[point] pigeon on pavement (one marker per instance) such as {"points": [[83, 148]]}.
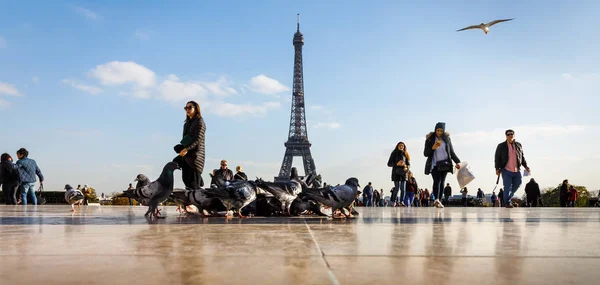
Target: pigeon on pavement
{"points": [[73, 196], [157, 191]]}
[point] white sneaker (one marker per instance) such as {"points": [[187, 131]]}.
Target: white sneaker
{"points": [[438, 204]]}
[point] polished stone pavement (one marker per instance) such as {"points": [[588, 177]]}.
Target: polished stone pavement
{"points": [[117, 245]]}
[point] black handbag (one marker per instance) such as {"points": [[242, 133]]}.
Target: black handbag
{"points": [[444, 165], [40, 199], [399, 170]]}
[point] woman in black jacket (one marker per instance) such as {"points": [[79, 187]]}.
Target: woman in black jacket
{"points": [[9, 179], [191, 148], [440, 155], [399, 161]]}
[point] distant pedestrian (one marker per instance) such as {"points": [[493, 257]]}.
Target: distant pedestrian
{"points": [[532, 191], [572, 196], [399, 161], [563, 193]]}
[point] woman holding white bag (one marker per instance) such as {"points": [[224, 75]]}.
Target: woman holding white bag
{"points": [[440, 155]]}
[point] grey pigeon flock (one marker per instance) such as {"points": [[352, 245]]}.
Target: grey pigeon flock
{"points": [[262, 198], [293, 197]]}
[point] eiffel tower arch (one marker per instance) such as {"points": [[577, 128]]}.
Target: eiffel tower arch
{"points": [[297, 143]]}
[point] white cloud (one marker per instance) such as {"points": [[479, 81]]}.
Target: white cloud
{"points": [[219, 87], [9, 89], [142, 35], [265, 85], [119, 73], [233, 110], [567, 76], [85, 12], [176, 91], [315, 107], [330, 125], [35, 80], [86, 88], [3, 43]]}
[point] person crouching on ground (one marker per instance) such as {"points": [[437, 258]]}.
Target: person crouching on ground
{"points": [[440, 155]]}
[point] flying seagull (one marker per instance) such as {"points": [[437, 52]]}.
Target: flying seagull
{"points": [[485, 27]]}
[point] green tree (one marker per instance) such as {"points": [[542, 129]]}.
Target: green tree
{"points": [[550, 196], [93, 198]]}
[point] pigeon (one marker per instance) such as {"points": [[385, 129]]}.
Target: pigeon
{"points": [[336, 197], [142, 181], [153, 193], [285, 191], [73, 196], [236, 195], [198, 198], [485, 27]]}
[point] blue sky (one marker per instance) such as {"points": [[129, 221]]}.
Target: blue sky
{"points": [[95, 90]]}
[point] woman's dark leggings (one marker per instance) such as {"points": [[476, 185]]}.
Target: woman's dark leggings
{"points": [[10, 193], [439, 179]]}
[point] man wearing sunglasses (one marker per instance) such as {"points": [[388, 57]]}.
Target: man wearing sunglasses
{"points": [[508, 160]]}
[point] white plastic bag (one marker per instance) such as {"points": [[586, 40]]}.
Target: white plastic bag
{"points": [[464, 175]]}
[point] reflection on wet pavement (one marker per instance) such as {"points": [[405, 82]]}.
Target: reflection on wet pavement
{"points": [[118, 245]]}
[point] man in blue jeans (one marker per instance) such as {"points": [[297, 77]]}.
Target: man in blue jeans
{"points": [[28, 169], [508, 160]]}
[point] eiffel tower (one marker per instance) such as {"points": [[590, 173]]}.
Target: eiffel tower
{"points": [[297, 143]]}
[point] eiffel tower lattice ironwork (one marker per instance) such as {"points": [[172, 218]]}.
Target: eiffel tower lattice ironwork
{"points": [[297, 143]]}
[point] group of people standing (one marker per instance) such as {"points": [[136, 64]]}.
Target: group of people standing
{"points": [[442, 160], [18, 179]]}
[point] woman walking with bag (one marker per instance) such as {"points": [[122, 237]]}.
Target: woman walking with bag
{"points": [[440, 155], [399, 161]]}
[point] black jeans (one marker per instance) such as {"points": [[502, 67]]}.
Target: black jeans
{"points": [[10, 192], [191, 178], [439, 179], [533, 202]]}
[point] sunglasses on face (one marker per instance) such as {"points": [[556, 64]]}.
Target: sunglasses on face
{"points": [[510, 134], [188, 107]]}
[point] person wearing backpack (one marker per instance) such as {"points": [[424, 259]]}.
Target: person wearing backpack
{"points": [[9, 179]]}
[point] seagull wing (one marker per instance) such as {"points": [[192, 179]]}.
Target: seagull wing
{"points": [[470, 27], [497, 21]]}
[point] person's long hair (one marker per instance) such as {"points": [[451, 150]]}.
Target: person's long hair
{"points": [[5, 157], [197, 113], [405, 150]]}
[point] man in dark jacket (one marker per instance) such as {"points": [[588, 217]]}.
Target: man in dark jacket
{"points": [[447, 193], [532, 190], [28, 169], [508, 160], [222, 174]]}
